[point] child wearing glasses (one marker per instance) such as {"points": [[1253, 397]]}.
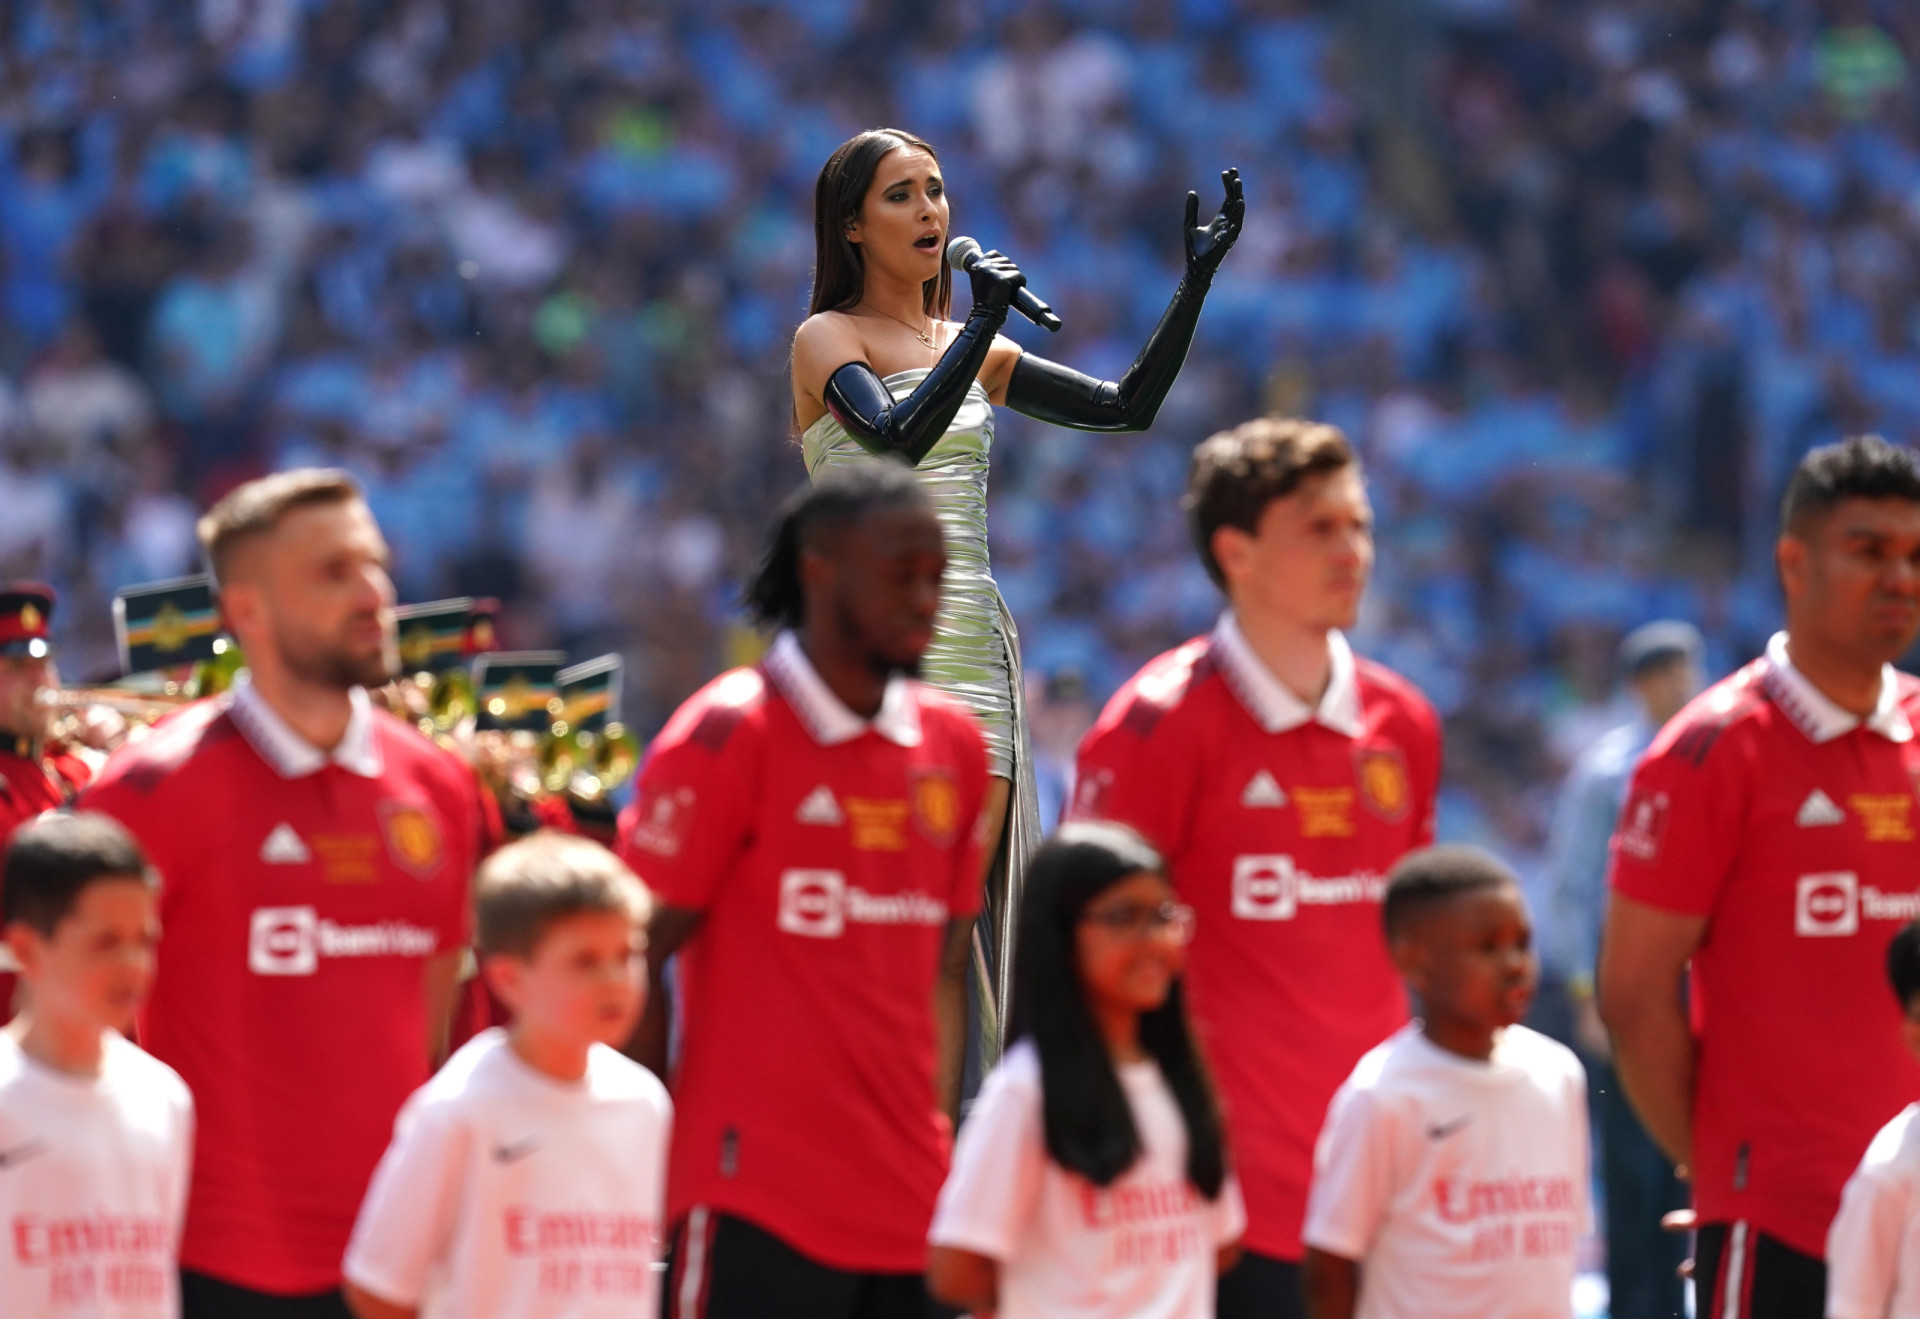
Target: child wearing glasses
{"points": [[1090, 1180]]}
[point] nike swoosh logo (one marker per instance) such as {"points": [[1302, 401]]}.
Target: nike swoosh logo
{"points": [[514, 1152], [1446, 1129], [21, 1153]]}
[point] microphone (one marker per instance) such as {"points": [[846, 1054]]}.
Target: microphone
{"points": [[962, 252]]}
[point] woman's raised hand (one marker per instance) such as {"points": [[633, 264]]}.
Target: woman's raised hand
{"points": [[995, 280], [1207, 245]]}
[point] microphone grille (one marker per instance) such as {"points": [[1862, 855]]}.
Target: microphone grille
{"points": [[960, 250]]}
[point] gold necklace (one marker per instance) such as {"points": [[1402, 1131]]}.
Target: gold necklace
{"points": [[921, 335]]}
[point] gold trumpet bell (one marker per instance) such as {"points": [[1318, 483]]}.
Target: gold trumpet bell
{"points": [[616, 758], [451, 700], [560, 756]]}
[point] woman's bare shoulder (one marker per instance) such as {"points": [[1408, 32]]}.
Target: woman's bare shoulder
{"points": [[826, 341], [827, 327]]}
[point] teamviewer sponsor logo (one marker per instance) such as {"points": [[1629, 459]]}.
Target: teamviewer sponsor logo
{"points": [[1876, 905], [290, 941], [1272, 888], [820, 904], [282, 942], [1827, 906], [1833, 905], [813, 903], [1264, 888]]}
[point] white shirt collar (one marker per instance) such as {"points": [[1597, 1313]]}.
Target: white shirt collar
{"points": [[1816, 715], [291, 755], [1272, 704], [826, 715]]}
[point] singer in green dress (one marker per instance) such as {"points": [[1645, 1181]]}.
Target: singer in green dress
{"points": [[881, 374]]}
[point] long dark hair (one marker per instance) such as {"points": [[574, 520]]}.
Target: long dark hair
{"points": [[1089, 1125], [839, 267], [840, 497]]}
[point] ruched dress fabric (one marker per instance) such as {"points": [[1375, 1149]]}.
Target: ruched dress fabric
{"points": [[975, 655]]}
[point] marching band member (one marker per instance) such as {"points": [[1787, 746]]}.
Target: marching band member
{"points": [[33, 776]]}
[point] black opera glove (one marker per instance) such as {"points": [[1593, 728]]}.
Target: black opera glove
{"points": [[1207, 247], [1062, 396], [859, 399]]}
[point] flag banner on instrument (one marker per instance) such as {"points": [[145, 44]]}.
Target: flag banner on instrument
{"points": [[516, 689], [162, 625], [434, 635], [590, 693]]}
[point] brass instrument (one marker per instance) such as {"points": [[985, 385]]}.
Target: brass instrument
{"points": [[583, 765], [144, 707], [102, 719], [586, 764]]}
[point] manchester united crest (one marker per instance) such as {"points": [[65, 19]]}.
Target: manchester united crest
{"points": [[413, 838], [936, 806], [1384, 787]]}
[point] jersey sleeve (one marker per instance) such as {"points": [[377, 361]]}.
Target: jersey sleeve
{"points": [[999, 1160], [407, 1217], [1352, 1175], [1135, 769], [136, 811], [1863, 1245], [1679, 832], [109, 797], [691, 813]]}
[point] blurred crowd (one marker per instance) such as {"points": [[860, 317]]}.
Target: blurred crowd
{"points": [[1582, 278]]}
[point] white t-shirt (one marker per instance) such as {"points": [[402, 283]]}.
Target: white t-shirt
{"points": [[1142, 1247], [507, 1193], [1460, 1186], [93, 1186], [1873, 1247]]}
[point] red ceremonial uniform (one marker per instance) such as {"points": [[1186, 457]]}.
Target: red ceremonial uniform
{"points": [[1790, 825], [29, 785], [302, 895], [1279, 823], [826, 855]]}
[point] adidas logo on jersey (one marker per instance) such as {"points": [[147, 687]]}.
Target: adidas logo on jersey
{"points": [[284, 848], [820, 808], [1817, 810], [1262, 790]]}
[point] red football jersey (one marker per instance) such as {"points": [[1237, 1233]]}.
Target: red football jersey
{"points": [[1789, 825], [826, 855], [298, 914], [1279, 823]]}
